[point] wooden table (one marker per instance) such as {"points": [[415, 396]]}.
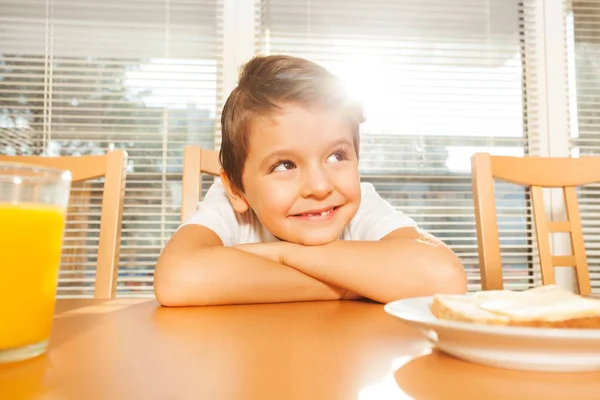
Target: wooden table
{"points": [[134, 349]]}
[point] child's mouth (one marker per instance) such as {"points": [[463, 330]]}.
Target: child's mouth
{"points": [[318, 214]]}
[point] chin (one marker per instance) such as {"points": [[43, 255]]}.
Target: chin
{"points": [[308, 236], [316, 241]]}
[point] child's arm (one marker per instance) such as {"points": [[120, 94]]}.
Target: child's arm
{"points": [[405, 263], [196, 269]]}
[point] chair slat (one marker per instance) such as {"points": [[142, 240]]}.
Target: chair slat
{"points": [[563, 261], [577, 245], [487, 225], [549, 172], [83, 168], [196, 161], [559, 226], [542, 234]]}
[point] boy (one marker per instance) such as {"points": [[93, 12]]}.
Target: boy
{"points": [[290, 220]]}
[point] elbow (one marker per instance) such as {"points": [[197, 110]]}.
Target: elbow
{"points": [[166, 299], [171, 291], [166, 296], [449, 276], [170, 284], [178, 283], [166, 286], [443, 273]]}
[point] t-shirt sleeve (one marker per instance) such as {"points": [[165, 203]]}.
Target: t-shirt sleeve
{"points": [[376, 217], [216, 213]]}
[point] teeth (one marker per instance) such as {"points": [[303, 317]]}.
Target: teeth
{"points": [[322, 214]]}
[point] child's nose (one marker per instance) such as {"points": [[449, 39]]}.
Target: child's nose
{"points": [[317, 183]]}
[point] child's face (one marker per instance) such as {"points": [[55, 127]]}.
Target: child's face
{"points": [[301, 175]]}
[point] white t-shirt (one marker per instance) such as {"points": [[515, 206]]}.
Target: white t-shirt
{"points": [[374, 219]]}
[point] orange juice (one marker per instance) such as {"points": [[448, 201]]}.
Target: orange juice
{"points": [[30, 248]]}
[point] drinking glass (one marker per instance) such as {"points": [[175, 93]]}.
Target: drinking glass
{"points": [[33, 203]]}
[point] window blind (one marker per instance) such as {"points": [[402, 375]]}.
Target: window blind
{"points": [[583, 33], [440, 80], [83, 77]]}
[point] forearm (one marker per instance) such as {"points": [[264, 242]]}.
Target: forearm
{"points": [[221, 275], [382, 270]]}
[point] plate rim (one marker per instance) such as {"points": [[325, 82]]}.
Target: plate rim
{"points": [[503, 330]]}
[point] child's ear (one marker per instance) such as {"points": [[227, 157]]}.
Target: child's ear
{"points": [[236, 197]]}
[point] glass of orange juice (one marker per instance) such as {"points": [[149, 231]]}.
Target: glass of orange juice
{"points": [[33, 203]]}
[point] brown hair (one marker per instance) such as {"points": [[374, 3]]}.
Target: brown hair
{"points": [[266, 83]]}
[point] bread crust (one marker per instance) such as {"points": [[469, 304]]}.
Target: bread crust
{"points": [[441, 311]]}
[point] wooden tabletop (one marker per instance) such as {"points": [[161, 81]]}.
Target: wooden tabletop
{"points": [[135, 349]]}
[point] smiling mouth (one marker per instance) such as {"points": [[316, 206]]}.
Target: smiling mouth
{"points": [[318, 214]]}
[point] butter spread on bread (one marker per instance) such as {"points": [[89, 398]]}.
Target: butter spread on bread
{"points": [[546, 306]]}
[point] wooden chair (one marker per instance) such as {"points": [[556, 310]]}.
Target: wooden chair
{"points": [[111, 166], [196, 161], [535, 173]]}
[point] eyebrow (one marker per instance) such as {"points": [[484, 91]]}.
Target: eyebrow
{"points": [[282, 153], [342, 141], [270, 158]]}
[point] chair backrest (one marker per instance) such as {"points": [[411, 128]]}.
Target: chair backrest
{"points": [[111, 166], [196, 161], [535, 173]]}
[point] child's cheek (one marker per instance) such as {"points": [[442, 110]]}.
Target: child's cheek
{"points": [[279, 199]]}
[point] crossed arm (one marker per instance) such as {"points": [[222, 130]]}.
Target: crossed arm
{"points": [[196, 269]]}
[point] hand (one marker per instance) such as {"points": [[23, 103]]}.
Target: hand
{"points": [[271, 250], [276, 251]]}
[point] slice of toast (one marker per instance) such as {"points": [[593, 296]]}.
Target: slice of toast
{"points": [[546, 306]]}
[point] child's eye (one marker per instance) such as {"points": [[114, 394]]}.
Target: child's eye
{"points": [[337, 156], [283, 166]]}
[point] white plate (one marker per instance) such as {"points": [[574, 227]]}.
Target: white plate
{"points": [[533, 349]]}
